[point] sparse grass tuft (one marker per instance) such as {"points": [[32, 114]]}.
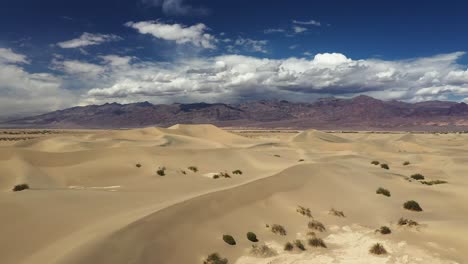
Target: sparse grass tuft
{"points": [[252, 237], [417, 177], [375, 162], [288, 246], [20, 187], [229, 240], [298, 243], [383, 191], [378, 249], [412, 206], [237, 172], [138, 165], [406, 163], [316, 225], [407, 222], [384, 166], [215, 259], [384, 230], [193, 169], [336, 213], [262, 251], [316, 242], [278, 229], [435, 182], [304, 211], [161, 171]]}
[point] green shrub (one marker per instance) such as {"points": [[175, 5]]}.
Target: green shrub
{"points": [[215, 259], [252, 237], [383, 192], [299, 245], [316, 242], [304, 211], [229, 240], [377, 249], [161, 171], [20, 187], [407, 222], [316, 225], [384, 230], [417, 177], [278, 229], [384, 166], [375, 162], [336, 213], [406, 163], [262, 251], [288, 246], [193, 168], [138, 165], [412, 206], [435, 182], [238, 172]]}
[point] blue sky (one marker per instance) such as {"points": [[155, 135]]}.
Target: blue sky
{"points": [[56, 54]]}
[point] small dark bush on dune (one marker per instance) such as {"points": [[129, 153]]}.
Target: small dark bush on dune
{"points": [[262, 251], [417, 177], [412, 206], [161, 171], [384, 230], [407, 222], [193, 168], [138, 165], [299, 244], [316, 242], [229, 240], [316, 225], [20, 187], [336, 213], [288, 246], [238, 172], [252, 237], [304, 211], [277, 155], [384, 166], [406, 163], [278, 229], [383, 192], [435, 182], [377, 249], [375, 162], [215, 259], [301, 160]]}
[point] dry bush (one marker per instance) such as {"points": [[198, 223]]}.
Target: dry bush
{"points": [[383, 191], [375, 162], [406, 163], [434, 182], [277, 155], [378, 249], [288, 246], [278, 229], [262, 251], [407, 222], [316, 242], [138, 165], [311, 234], [384, 230], [252, 237], [229, 240], [301, 160], [20, 187], [316, 225], [336, 213], [215, 259], [161, 171], [238, 172], [304, 211], [384, 166], [417, 176], [222, 175], [412, 206], [193, 169], [298, 243]]}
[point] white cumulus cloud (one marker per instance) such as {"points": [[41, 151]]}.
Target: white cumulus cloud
{"points": [[88, 39]]}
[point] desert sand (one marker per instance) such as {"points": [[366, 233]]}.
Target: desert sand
{"points": [[90, 203]]}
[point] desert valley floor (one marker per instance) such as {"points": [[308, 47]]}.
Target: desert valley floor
{"points": [[157, 195]]}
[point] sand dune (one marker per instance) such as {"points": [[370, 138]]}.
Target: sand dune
{"points": [[89, 202]]}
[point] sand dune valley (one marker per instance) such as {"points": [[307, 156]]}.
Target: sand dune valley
{"points": [[201, 194]]}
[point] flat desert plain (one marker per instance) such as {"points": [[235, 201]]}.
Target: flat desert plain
{"points": [[176, 195]]}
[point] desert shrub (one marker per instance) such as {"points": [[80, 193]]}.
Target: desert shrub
{"points": [[238, 172], [216, 176], [433, 182], [406, 163], [263, 251], [375, 162], [316, 225], [412, 206], [377, 249], [252, 237], [288, 246], [222, 175], [229, 240], [193, 168], [183, 172], [301, 160], [383, 192], [138, 165], [407, 222], [316, 242], [384, 166], [417, 177], [278, 229], [311, 234], [384, 230], [298, 243], [215, 259], [277, 155], [161, 171], [304, 211], [20, 187], [336, 213]]}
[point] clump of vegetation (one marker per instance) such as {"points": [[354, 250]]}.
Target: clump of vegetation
{"points": [[138, 165], [229, 240], [375, 162], [20, 187], [316, 225], [412, 206], [417, 177], [384, 166], [193, 168], [288, 246], [183, 172], [222, 175], [304, 211], [237, 172], [161, 171], [383, 191], [407, 222], [252, 237], [215, 259], [406, 163], [316, 242], [262, 251], [301, 160], [298, 243], [434, 182], [384, 230], [336, 213], [378, 249], [276, 155], [278, 229], [311, 234]]}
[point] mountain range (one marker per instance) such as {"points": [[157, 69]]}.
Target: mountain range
{"points": [[358, 113]]}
